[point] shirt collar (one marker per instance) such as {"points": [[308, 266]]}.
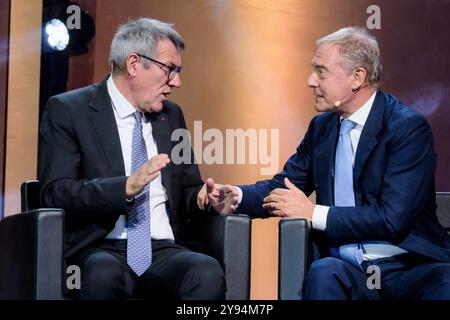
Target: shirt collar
{"points": [[361, 115], [119, 102]]}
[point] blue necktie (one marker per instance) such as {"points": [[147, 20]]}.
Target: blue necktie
{"points": [[344, 195], [139, 245]]}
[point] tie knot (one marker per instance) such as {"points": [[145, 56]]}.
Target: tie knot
{"points": [[346, 126], [138, 117]]}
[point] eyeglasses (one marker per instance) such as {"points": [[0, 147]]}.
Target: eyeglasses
{"points": [[171, 71]]}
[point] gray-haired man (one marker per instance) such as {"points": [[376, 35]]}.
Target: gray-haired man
{"points": [[103, 158], [371, 161]]}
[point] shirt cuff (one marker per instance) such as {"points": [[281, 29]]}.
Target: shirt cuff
{"points": [[319, 218]]}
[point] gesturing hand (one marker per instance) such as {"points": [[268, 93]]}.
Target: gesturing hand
{"points": [[223, 198], [290, 202], [149, 171]]}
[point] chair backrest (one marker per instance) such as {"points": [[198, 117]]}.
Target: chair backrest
{"points": [[29, 195], [443, 209]]}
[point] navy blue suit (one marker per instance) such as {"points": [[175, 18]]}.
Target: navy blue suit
{"points": [[393, 181]]}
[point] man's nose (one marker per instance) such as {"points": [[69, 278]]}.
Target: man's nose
{"points": [[176, 81], [312, 80]]}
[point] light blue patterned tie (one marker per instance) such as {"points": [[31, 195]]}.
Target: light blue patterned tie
{"points": [[139, 245], [344, 195]]}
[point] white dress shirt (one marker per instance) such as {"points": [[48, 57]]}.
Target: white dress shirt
{"points": [[123, 113]]}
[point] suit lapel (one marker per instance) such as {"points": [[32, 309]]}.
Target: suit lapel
{"points": [[102, 117], [368, 139], [161, 134], [325, 158]]}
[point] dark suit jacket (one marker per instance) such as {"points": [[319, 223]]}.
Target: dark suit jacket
{"points": [[81, 166], [393, 180]]}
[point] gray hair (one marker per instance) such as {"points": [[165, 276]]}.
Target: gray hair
{"points": [[359, 49], [141, 36]]}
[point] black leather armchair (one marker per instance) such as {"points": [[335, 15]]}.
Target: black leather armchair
{"points": [[443, 209], [296, 252], [31, 250], [295, 256]]}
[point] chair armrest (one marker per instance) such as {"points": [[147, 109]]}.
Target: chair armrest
{"points": [[295, 253], [31, 255], [29, 195], [443, 209], [227, 238]]}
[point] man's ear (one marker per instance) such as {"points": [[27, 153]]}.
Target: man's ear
{"points": [[131, 64], [359, 78]]}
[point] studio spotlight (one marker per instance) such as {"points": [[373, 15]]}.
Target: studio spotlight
{"points": [[67, 28], [57, 35]]}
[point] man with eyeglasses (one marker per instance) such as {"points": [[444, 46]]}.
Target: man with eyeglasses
{"points": [[104, 160]]}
